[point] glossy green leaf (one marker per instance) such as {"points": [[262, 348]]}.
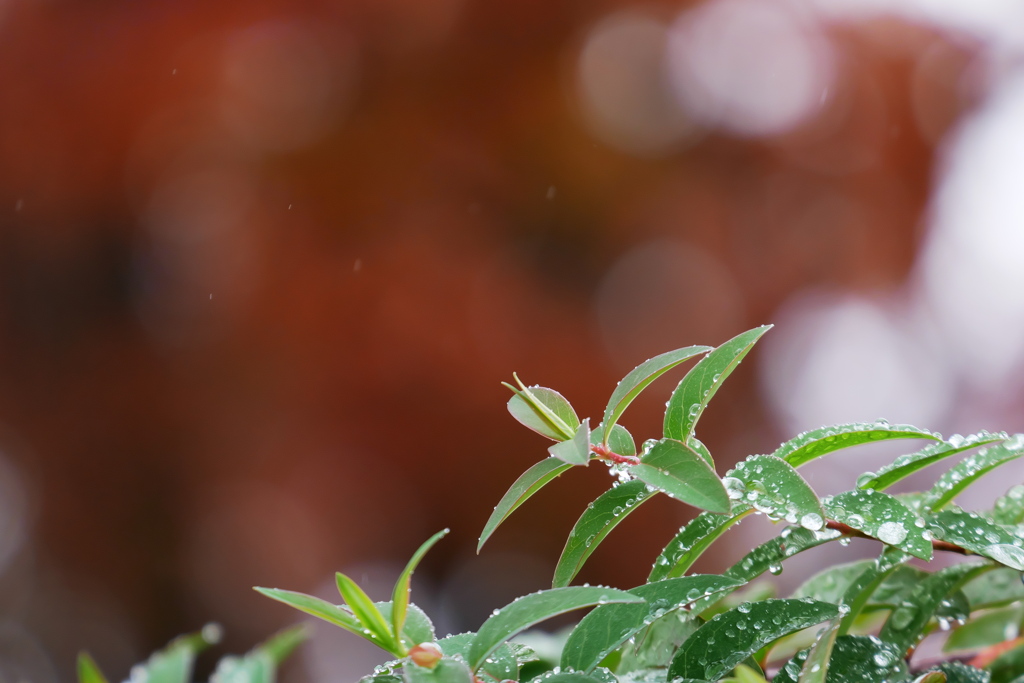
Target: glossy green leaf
{"points": [[691, 542], [1009, 508], [905, 465], [368, 614], [906, 625], [698, 446], [596, 522], [970, 469], [321, 609], [725, 641], [818, 442], [619, 441], [280, 646], [448, 670], [500, 665], [88, 672], [654, 646], [979, 535], [855, 659], [957, 672], [700, 384], [831, 583], [575, 451], [640, 377], [816, 666], [534, 608], [996, 588], [1008, 666], [674, 468], [382, 678], [774, 487], [984, 630], [173, 664], [861, 589], [417, 628], [528, 483], [543, 410], [571, 677], [400, 594], [881, 516], [607, 627]]}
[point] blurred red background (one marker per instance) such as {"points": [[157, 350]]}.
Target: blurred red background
{"points": [[263, 267]]}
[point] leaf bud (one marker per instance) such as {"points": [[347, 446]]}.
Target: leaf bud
{"points": [[426, 655]]}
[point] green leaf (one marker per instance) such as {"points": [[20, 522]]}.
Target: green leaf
{"points": [[382, 678], [571, 677], [88, 672], [881, 516], [774, 487], [816, 666], [596, 522], [905, 626], [417, 628], [725, 641], [500, 665], [1008, 666], [860, 590], [321, 609], [979, 535], [278, 647], [905, 465], [528, 483], [619, 441], [368, 614], [818, 442], [448, 670], [575, 451], [996, 588], [534, 608], [608, 626], [400, 594], [640, 377], [700, 384], [855, 659], [173, 664], [931, 677], [970, 469], [674, 468], [984, 630], [831, 584], [1009, 508], [691, 542], [957, 672], [543, 410], [698, 446]]}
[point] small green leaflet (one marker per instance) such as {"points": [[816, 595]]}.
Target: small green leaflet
{"points": [[728, 639], [596, 522], [881, 516], [400, 594], [990, 628], [815, 668], [620, 441], [260, 665], [674, 468], [575, 451], [501, 664], [543, 410], [448, 670], [979, 535], [774, 487], [830, 585], [855, 659], [998, 587], [640, 377], [962, 673], [691, 542], [608, 626], [970, 469], [368, 614], [319, 608], [906, 624], [173, 664], [1009, 508], [818, 442], [905, 465], [534, 608], [528, 483], [859, 591], [700, 384], [417, 629], [88, 672]]}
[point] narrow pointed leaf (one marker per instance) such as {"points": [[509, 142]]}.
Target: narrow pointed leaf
{"points": [[400, 594], [281, 645], [979, 535], [500, 665], [640, 377], [859, 591], [607, 627], [691, 542], [725, 641], [535, 608], [88, 672], [998, 587], [855, 659], [674, 468], [985, 630], [816, 666], [905, 465], [818, 442], [173, 664], [575, 451], [1009, 508], [543, 410], [831, 584], [320, 609], [528, 483], [619, 440], [417, 628], [700, 384], [970, 469], [906, 624], [774, 487], [881, 516], [367, 613], [596, 522]]}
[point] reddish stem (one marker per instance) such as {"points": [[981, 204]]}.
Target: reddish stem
{"points": [[605, 453], [936, 545]]}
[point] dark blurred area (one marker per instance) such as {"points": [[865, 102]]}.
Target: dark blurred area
{"points": [[263, 266]]}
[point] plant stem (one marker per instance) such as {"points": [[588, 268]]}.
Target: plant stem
{"points": [[942, 546]]}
